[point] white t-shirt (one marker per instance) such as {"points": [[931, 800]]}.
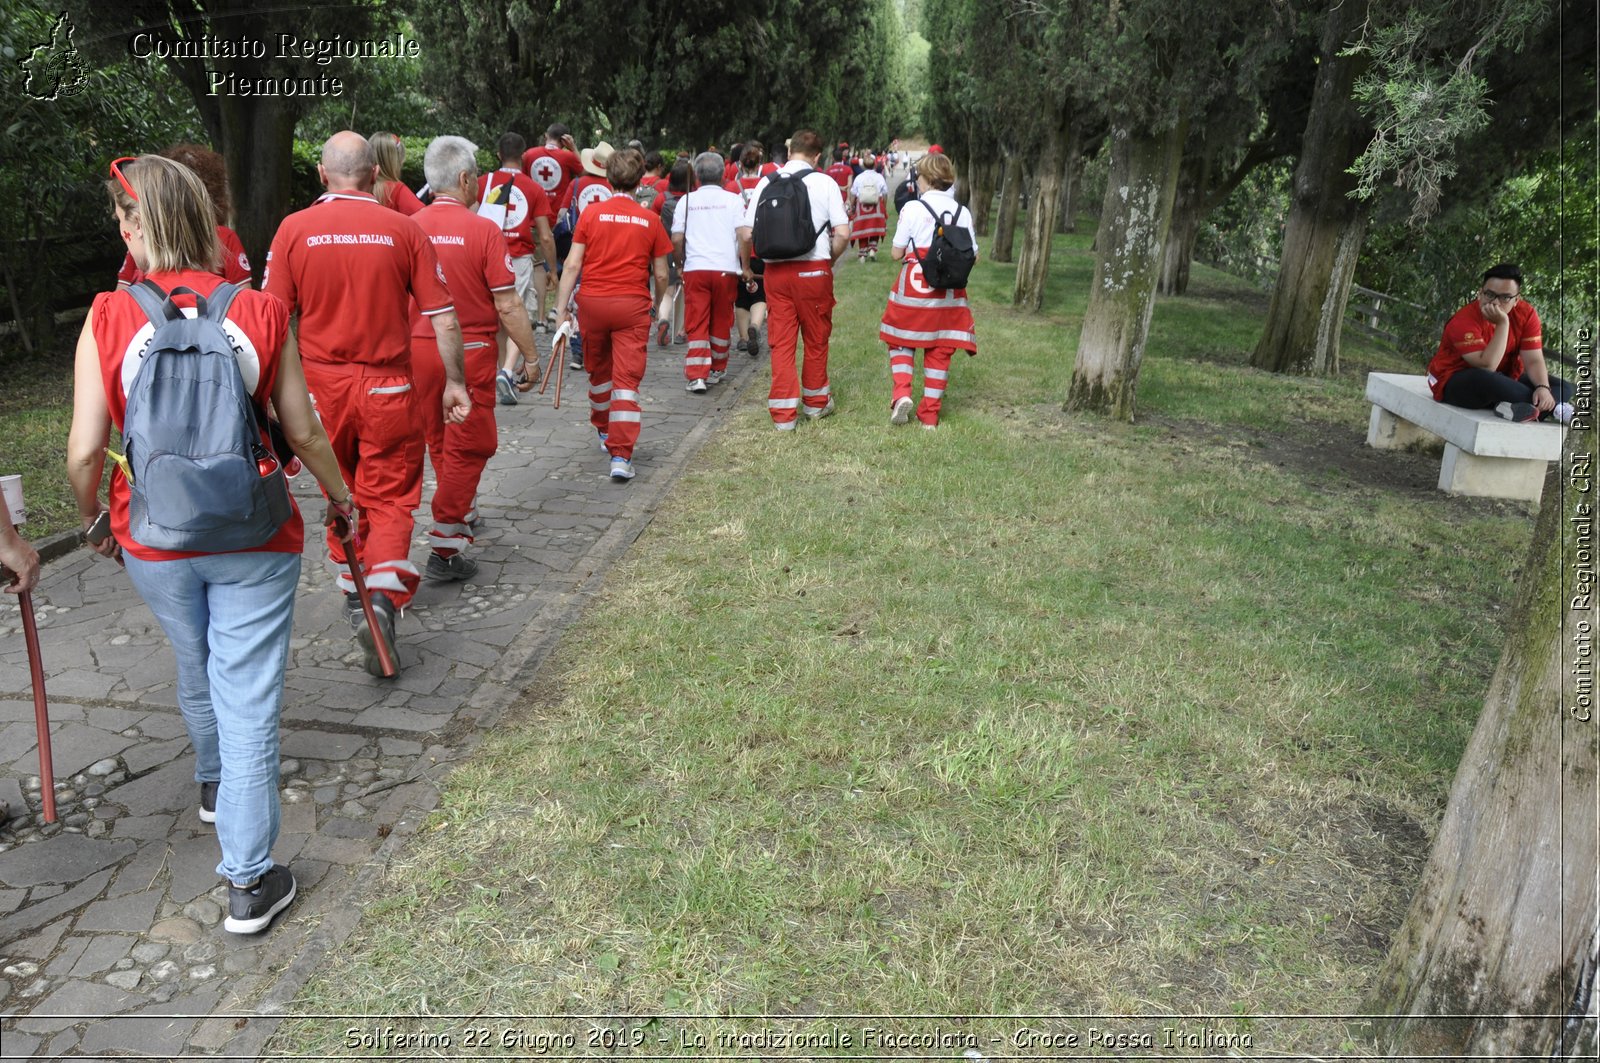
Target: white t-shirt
{"points": [[825, 203], [869, 177], [709, 219], [915, 227]]}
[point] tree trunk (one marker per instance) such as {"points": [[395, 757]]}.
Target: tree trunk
{"points": [[1187, 212], [968, 178], [1491, 958], [987, 174], [1033, 267], [258, 142], [1133, 226], [1326, 225], [1005, 232], [254, 133], [1067, 211]]}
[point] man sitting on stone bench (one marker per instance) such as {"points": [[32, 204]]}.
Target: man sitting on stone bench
{"points": [[1492, 356]]}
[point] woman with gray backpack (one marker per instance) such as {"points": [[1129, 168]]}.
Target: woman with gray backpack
{"points": [[183, 364]]}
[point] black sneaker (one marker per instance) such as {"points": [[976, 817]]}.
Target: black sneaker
{"points": [[208, 802], [251, 908], [755, 341], [383, 611], [454, 567], [1517, 412]]}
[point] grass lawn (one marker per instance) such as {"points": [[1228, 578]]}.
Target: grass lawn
{"points": [[35, 414], [1037, 714]]}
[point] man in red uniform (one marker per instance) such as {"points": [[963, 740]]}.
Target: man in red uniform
{"points": [[592, 185], [800, 290], [707, 229], [618, 245], [553, 166], [473, 254], [523, 212], [349, 267], [1491, 356], [583, 193], [841, 172]]}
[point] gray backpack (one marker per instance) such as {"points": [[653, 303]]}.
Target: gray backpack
{"points": [[202, 480]]}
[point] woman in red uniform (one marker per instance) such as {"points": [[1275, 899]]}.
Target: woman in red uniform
{"points": [[868, 207], [234, 265], [390, 189], [228, 615], [936, 321], [618, 245]]}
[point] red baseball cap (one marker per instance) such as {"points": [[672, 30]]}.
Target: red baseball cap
{"points": [[934, 149]]}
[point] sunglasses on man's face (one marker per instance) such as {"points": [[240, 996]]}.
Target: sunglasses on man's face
{"points": [[116, 171]]}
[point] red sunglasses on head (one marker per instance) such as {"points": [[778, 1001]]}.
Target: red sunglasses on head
{"points": [[116, 171]]}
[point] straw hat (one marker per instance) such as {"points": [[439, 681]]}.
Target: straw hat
{"points": [[595, 158]]}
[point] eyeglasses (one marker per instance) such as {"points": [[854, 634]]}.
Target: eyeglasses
{"points": [[1498, 297], [116, 171]]}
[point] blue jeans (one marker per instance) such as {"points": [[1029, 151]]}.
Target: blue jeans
{"points": [[229, 617]]}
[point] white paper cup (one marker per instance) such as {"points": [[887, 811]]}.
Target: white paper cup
{"points": [[11, 490]]}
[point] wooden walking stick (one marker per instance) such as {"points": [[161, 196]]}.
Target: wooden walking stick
{"points": [[41, 705], [558, 361], [344, 529]]}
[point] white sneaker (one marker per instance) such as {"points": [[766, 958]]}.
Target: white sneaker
{"points": [[698, 386], [817, 415], [715, 376], [902, 410], [505, 386], [621, 470]]}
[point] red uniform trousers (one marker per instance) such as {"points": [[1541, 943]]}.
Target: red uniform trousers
{"points": [[935, 375], [458, 451], [369, 413], [616, 332], [936, 321], [708, 318], [799, 306]]}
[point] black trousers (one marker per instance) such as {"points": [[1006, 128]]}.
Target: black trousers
{"points": [[1484, 389]]}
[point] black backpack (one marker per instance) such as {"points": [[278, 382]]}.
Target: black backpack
{"points": [[904, 193], [783, 227], [948, 261]]}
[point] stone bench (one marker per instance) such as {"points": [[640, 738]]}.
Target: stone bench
{"points": [[1484, 455]]}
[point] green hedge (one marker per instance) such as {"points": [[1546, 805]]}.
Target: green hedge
{"points": [[305, 185]]}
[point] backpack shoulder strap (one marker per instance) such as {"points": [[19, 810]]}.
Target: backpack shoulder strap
{"points": [[216, 307], [155, 303]]}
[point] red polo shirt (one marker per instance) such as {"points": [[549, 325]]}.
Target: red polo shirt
{"points": [[256, 323], [350, 266], [1469, 332], [620, 240], [842, 175], [552, 169], [473, 255], [584, 191], [526, 204], [396, 196]]}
